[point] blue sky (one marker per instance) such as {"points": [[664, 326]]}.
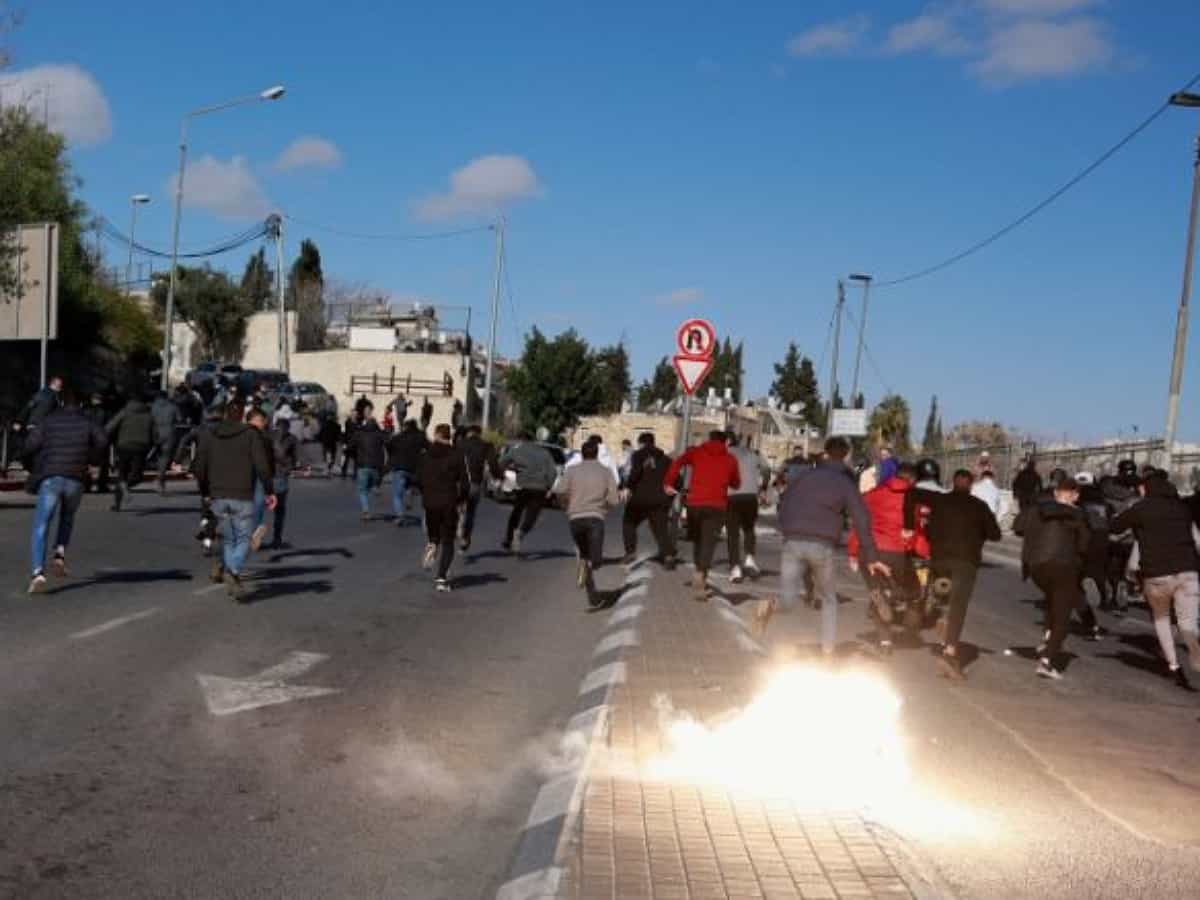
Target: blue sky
{"points": [[687, 159]]}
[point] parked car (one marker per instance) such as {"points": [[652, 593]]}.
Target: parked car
{"points": [[249, 380], [228, 374], [203, 373], [311, 394], [504, 488]]}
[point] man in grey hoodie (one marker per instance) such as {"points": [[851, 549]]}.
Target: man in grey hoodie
{"points": [[741, 516], [536, 474], [590, 491]]}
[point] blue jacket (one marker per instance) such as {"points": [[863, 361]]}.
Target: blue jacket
{"points": [[815, 505]]}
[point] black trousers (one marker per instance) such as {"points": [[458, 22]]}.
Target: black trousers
{"points": [[740, 518], [1061, 584], [131, 465], [441, 525], [659, 518], [962, 575], [280, 516], [707, 521], [527, 506], [470, 507], [588, 534]]}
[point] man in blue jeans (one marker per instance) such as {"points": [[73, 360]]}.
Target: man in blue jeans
{"points": [[230, 460], [812, 514], [62, 447], [369, 442], [404, 451]]}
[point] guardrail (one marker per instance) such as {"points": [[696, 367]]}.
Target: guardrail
{"points": [[401, 384]]}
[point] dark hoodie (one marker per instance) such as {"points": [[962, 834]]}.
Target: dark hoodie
{"points": [[442, 475], [1054, 533], [230, 458], [714, 472], [1162, 524], [647, 468], [368, 441], [133, 428]]}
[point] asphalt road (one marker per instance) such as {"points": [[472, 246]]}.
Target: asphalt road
{"points": [[125, 771], [1085, 788]]}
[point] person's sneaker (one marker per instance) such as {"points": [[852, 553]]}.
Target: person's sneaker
{"points": [[1096, 634], [885, 648], [429, 556], [217, 575], [1041, 648], [58, 565], [883, 609], [763, 610], [256, 537], [37, 584], [950, 667], [234, 589], [735, 575], [441, 585], [1046, 670], [751, 567]]}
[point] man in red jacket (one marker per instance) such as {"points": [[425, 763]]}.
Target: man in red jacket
{"points": [[714, 472], [886, 505]]}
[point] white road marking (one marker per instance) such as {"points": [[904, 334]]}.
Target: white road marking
{"points": [[211, 589], [605, 676], [226, 696], [113, 623], [627, 637]]}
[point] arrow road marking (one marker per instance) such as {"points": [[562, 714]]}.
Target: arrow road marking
{"points": [[226, 696]]}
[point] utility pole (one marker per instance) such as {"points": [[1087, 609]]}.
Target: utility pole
{"points": [[865, 281], [275, 231], [837, 343], [1181, 320], [491, 360]]}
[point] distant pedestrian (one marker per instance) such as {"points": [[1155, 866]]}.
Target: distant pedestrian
{"points": [[131, 432], [258, 420], [354, 421], [97, 414], [166, 418], [442, 475], [1056, 538], [623, 460], [426, 414], [535, 473], [369, 454], [1095, 564], [590, 491], [456, 417], [400, 410], [482, 466], [713, 473], [741, 520], [404, 451], [45, 401], [1027, 485], [985, 489], [812, 515], [647, 499], [330, 435], [602, 456], [231, 459], [62, 445], [285, 449]]}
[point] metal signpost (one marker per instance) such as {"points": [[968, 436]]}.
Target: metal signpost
{"points": [[31, 313]]}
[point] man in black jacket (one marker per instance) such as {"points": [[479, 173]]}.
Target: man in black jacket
{"points": [[404, 451], [62, 446], [131, 432], [959, 525], [97, 414], [1162, 524], [482, 464], [231, 459], [1056, 543], [368, 441], [442, 476], [1027, 485], [647, 500]]}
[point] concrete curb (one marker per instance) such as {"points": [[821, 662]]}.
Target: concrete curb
{"points": [[536, 872]]}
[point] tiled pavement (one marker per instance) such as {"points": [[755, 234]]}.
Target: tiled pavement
{"points": [[639, 838]]}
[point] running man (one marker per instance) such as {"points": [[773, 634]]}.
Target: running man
{"points": [[368, 442], [741, 517], [285, 452], [442, 476], [62, 446], [590, 491], [132, 433], [482, 465], [404, 451], [713, 473], [647, 499], [536, 473]]}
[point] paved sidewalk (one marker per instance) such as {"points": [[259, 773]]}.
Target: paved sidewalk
{"points": [[640, 838]]}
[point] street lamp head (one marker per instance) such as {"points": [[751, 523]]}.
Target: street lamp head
{"points": [[140, 198], [860, 277], [273, 93]]}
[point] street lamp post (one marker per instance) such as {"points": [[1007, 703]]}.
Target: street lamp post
{"points": [[271, 93], [134, 202], [865, 281]]}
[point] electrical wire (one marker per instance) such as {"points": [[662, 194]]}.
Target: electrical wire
{"points": [[828, 338], [110, 231], [512, 303], [1025, 217], [870, 359], [368, 236]]}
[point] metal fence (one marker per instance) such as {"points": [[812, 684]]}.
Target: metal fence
{"points": [[394, 383], [1006, 460]]}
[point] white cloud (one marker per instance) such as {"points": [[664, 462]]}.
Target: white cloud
{"points": [[1046, 8], [308, 153], [841, 36], [680, 297], [1032, 49], [226, 189], [70, 97], [934, 32], [483, 185]]}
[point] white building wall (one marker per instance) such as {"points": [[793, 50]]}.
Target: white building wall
{"points": [[262, 340]]}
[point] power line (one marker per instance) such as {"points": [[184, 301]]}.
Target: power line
{"points": [[368, 236], [110, 231], [512, 303], [870, 359], [828, 336], [1022, 219]]}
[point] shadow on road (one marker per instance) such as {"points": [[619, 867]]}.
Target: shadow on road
{"points": [[288, 572], [322, 551], [131, 576], [470, 581], [166, 511], [276, 589]]}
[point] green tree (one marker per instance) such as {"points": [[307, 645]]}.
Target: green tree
{"points": [[726, 371], [796, 382], [890, 423], [556, 382], [305, 294], [979, 433], [931, 441], [613, 363], [258, 282], [662, 385], [213, 305]]}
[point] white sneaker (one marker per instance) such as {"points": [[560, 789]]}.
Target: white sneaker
{"points": [[37, 584], [735, 575], [256, 537], [429, 556], [752, 567], [441, 585], [1045, 670]]}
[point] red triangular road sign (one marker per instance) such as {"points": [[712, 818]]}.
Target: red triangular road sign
{"points": [[692, 370]]}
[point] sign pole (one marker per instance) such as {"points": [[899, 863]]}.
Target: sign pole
{"points": [[49, 273], [685, 435]]}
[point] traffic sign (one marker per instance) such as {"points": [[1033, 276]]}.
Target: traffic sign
{"points": [[692, 370], [849, 423], [696, 338]]}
